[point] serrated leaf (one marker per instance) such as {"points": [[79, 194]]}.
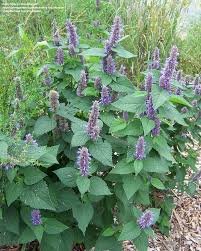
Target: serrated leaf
{"points": [[138, 166], [79, 138], [134, 103], [157, 183], [108, 243], [102, 151], [155, 165], [108, 232], [131, 185], [121, 52], [141, 242], [3, 150], [37, 196], [179, 100], [27, 236], [11, 220], [147, 125], [160, 145], [38, 231], [53, 226], [83, 184], [13, 191], [130, 231], [159, 96], [50, 157], [98, 187], [123, 85], [117, 125], [83, 214], [67, 175], [95, 52], [32, 175], [43, 125], [11, 174], [122, 167]]}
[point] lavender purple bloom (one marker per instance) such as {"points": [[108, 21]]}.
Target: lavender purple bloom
{"points": [[197, 90], [148, 82], [29, 140], [105, 96], [184, 109], [36, 217], [156, 59], [56, 36], [140, 149], [169, 69], [60, 56], [156, 130], [92, 128], [146, 220], [122, 70], [47, 79], [97, 83], [71, 50], [149, 108], [109, 65], [178, 91], [115, 34], [125, 116], [82, 84], [63, 124], [8, 166], [83, 161], [73, 38], [54, 100], [194, 103], [178, 76], [196, 81]]}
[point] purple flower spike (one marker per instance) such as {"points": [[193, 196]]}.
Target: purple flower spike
{"points": [[82, 84], [149, 108], [105, 96], [97, 5], [194, 103], [71, 50], [156, 130], [73, 38], [92, 128], [56, 38], [29, 140], [47, 80], [198, 90], [196, 81], [54, 100], [122, 70], [140, 149], [115, 35], [109, 68], [60, 56], [178, 91], [146, 220], [169, 69], [97, 83], [125, 116], [36, 217], [184, 109], [156, 59], [45, 69], [83, 160], [148, 82], [8, 166]]}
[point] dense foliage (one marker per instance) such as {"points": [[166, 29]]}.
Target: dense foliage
{"points": [[98, 167]]}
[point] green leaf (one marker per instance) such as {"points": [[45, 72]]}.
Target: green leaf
{"points": [[50, 157], [3, 150], [161, 146], [123, 85], [1, 216], [90, 91], [11, 220], [11, 174], [108, 232], [121, 52], [53, 226], [130, 231], [98, 187], [37, 196], [157, 183], [27, 236], [159, 96], [138, 165], [134, 103], [122, 167], [13, 191], [75, 72], [67, 175], [83, 184], [38, 231], [80, 136], [156, 212], [95, 52], [131, 185], [108, 243], [155, 165], [32, 175], [117, 125], [43, 125], [179, 100], [83, 214], [147, 125], [133, 128], [141, 242], [102, 151]]}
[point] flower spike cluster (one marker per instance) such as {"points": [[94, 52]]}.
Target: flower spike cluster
{"points": [[156, 59], [92, 128], [60, 56], [36, 217], [169, 69], [109, 65], [106, 98], [148, 82], [140, 149], [82, 84], [73, 39], [146, 220], [156, 130], [83, 161], [54, 100], [149, 108], [47, 79]]}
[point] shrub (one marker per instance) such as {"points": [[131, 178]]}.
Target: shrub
{"points": [[98, 167]]}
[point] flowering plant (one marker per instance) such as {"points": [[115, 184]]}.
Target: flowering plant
{"points": [[90, 169]]}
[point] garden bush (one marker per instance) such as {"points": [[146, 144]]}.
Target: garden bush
{"points": [[99, 165]]}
